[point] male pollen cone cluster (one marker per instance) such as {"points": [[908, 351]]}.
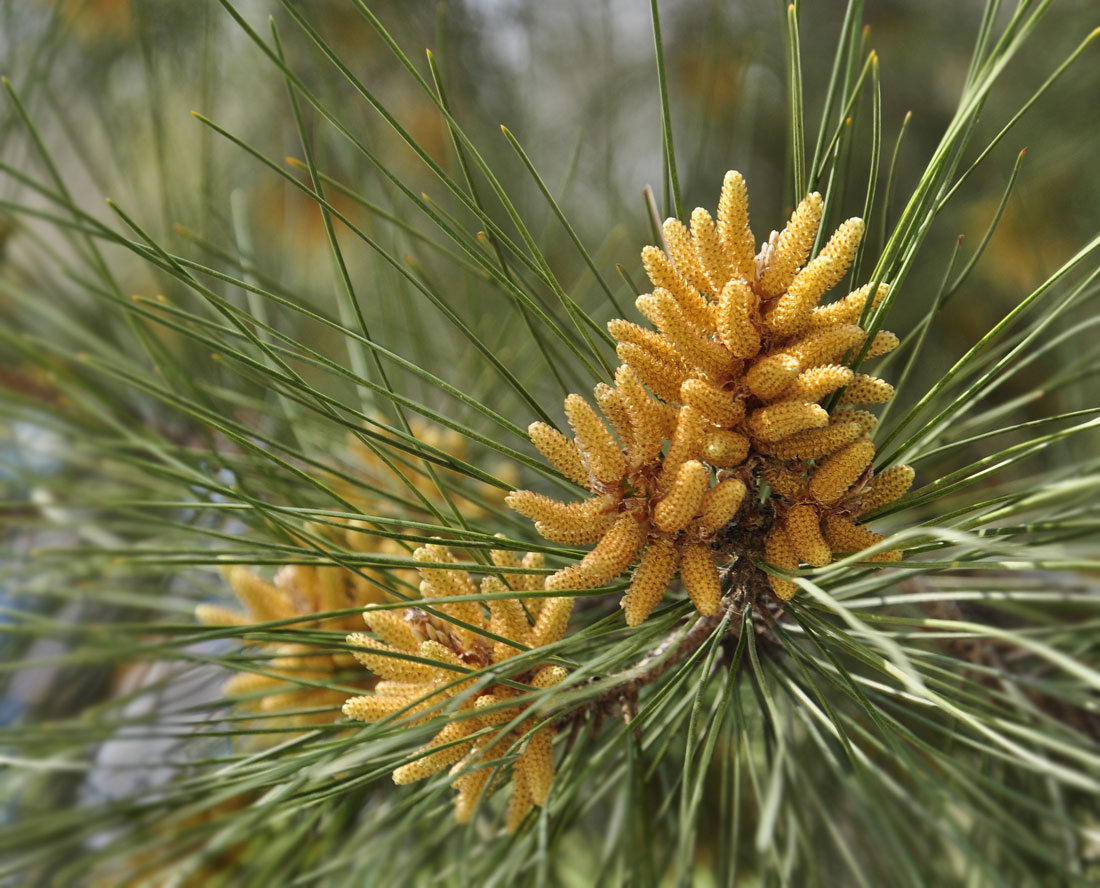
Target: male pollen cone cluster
{"points": [[479, 729], [298, 590], [733, 375]]}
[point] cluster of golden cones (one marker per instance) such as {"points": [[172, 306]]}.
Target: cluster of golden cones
{"points": [[479, 731], [743, 389], [423, 662], [726, 392], [280, 686]]}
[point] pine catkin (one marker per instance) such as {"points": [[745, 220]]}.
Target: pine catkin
{"points": [[849, 309], [519, 805], [720, 402], [770, 375], [704, 236], [570, 523], [506, 619], [612, 555], [625, 331], [815, 383], [651, 579], [445, 583], [613, 407], [651, 307], [734, 319], [648, 418], [471, 786], [263, 600], [723, 449], [867, 421], [388, 662], [720, 504], [883, 343], [716, 404], [864, 389], [504, 557], [700, 575], [375, 707], [780, 553], [673, 285], [442, 669], [244, 683], [530, 582], [886, 487], [847, 537], [548, 677], [433, 762], [823, 272], [793, 308], [683, 254], [825, 346], [661, 272], [785, 482], [392, 627], [817, 443], [792, 246], [682, 501], [552, 621], [733, 225], [695, 308], [840, 471], [441, 582], [216, 615], [662, 377], [601, 453], [687, 443], [803, 526], [778, 421], [535, 765], [690, 343]]}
